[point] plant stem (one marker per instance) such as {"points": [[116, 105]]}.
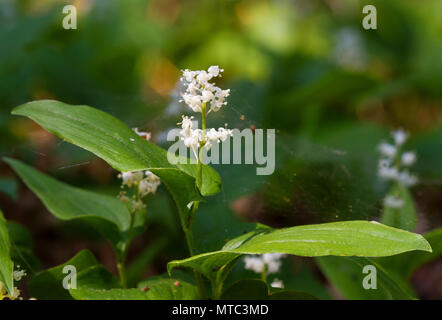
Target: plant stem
{"points": [[264, 274], [191, 246], [199, 178], [122, 273], [187, 225], [122, 258]]}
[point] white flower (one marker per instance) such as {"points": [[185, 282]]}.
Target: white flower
{"points": [[214, 71], [393, 202], [407, 179], [131, 178], [270, 261], [388, 173], [400, 136], [198, 89], [149, 184], [18, 274], [387, 150], [255, 264], [408, 158], [277, 283]]}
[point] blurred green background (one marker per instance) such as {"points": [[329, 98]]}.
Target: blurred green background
{"points": [[331, 89]]}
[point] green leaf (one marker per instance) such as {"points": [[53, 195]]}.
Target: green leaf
{"points": [[6, 264], [161, 288], [348, 238], [111, 294], [248, 289], [405, 264], [404, 217], [22, 248], [114, 142], [48, 284], [346, 274], [253, 289], [109, 215]]}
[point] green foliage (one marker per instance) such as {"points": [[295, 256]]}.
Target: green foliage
{"points": [[350, 238], [111, 294], [258, 290], [122, 148], [109, 215], [161, 288], [22, 245], [6, 264], [90, 275], [346, 274]]}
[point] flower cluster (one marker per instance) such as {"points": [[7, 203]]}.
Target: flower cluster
{"points": [[199, 91], [393, 166], [194, 138], [268, 263], [145, 182]]}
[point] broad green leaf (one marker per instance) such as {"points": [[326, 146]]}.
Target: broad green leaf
{"points": [[253, 289], [346, 274], [111, 294], [114, 142], [48, 284], [109, 215], [248, 289], [405, 264], [348, 238], [404, 217], [22, 248], [6, 264], [160, 288]]}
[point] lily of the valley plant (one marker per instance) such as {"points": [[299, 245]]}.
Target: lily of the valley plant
{"points": [[143, 167]]}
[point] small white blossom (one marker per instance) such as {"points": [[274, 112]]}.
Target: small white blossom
{"points": [[18, 274], [407, 179], [276, 283], [408, 158], [393, 202], [131, 178], [256, 264], [387, 150], [270, 261], [388, 173], [149, 184], [400, 136]]}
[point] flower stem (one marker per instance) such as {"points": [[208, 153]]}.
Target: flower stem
{"points": [[199, 178], [264, 274], [123, 255], [122, 273]]}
